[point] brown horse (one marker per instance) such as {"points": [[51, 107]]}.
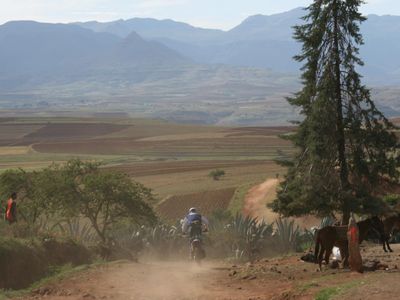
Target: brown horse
{"points": [[331, 236], [390, 224]]}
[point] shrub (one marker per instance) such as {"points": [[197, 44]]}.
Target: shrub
{"points": [[392, 199], [216, 174]]}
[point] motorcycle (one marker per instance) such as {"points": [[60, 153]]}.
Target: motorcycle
{"points": [[197, 252]]}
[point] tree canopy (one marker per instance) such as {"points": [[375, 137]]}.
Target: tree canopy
{"points": [[79, 189], [346, 145]]}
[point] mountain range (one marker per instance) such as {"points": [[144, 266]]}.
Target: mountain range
{"points": [[172, 70], [264, 42]]}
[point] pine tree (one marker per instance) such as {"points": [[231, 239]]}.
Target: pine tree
{"points": [[346, 145]]}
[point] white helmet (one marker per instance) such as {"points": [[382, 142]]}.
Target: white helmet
{"points": [[192, 210]]}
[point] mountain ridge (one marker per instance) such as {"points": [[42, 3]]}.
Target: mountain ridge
{"points": [[238, 77], [254, 43]]}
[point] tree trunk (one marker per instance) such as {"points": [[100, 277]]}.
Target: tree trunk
{"points": [[345, 216], [353, 237], [341, 141]]}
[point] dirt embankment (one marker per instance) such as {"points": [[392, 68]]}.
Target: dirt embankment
{"points": [[24, 262]]}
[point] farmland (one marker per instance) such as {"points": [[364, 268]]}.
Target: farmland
{"points": [[175, 207], [174, 160]]}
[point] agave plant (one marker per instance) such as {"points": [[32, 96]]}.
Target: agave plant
{"points": [[287, 234], [78, 230], [247, 235], [163, 240]]}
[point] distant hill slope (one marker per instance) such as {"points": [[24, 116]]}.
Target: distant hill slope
{"points": [[174, 72], [34, 53], [265, 41]]}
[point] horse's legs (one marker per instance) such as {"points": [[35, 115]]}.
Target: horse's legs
{"points": [[320, 256], [328, 253], [384, 241], [384, 245], [344, 253], [388, 245]]}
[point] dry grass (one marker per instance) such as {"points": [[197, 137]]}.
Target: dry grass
{"points": [[165, 185], [17, 150]]}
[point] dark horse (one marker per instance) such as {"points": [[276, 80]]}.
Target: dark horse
{"points": [[331, 236], [390, 224]]}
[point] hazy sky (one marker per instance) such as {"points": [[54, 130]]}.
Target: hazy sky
{"points": [[222, 14]]}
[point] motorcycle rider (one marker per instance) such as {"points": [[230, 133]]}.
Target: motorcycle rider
{"points": [[194, 224]]}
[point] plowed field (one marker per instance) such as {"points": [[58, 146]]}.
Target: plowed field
{"points": [[74, 130], [169, 167], [175, 207], [201, 148]]}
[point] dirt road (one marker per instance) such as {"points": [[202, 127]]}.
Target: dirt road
{"points": [[166, 281], [260, 195], [275, 278]]}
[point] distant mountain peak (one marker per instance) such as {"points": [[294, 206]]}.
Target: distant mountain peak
{"points": [[133, 37]]}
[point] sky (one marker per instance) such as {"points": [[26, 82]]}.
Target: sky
{"points": [[221, 14]]}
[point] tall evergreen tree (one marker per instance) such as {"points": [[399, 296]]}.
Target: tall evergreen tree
{"points": [[346, 145]]}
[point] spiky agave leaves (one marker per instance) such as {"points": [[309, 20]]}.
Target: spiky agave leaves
{"points": [[247, 235], [78, 230], [287, 234]]}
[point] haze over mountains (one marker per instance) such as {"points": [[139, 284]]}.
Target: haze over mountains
{"points": [[168, 69], [264, 42]]}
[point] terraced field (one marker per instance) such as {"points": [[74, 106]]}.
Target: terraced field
{"points": [[172, 159], [175, 207]]}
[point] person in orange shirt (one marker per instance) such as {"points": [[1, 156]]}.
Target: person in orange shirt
{"points": [[11, 209]]}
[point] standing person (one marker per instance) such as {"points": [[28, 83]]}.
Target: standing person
{"points": [[11, 209]]}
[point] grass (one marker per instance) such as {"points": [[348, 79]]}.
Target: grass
{"points": [[165, 185], [236, 204], [329, 292], [332, 292], [16, 150]]}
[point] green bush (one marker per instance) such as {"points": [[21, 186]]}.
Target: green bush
{"points": [[216, 174], [392, 199]]}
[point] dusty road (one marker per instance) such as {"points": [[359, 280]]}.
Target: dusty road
{"points": [[123, 281], [280, 278]]}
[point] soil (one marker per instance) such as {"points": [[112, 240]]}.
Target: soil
{"points": [[260, 195], [277, 278], [167, 281]]}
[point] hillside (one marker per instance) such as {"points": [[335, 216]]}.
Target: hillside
{"points": [[265, 42], [171, 70], [34, 54]]}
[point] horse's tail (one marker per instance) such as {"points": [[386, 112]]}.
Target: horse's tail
{"points": [[317, 244]]}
